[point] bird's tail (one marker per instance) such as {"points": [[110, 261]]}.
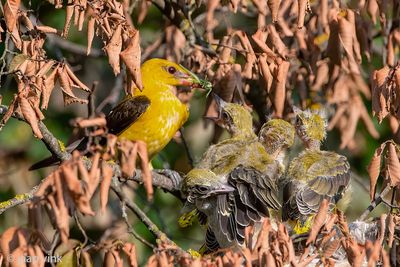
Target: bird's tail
{"points": [[47, 162]]}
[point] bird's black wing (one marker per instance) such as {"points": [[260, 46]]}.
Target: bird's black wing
{"points": [[211, 244], [327, 177], [257, 190], [126, 112]]}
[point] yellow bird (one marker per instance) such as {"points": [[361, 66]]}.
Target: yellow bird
{"points": [[152, 115]]}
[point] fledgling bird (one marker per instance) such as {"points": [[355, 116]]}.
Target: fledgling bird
{"points": [[313, 175], [152, 115], [234, 185]]}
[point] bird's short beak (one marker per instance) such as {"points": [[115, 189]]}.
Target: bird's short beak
{"points": [[220, 105], [223, 189]]}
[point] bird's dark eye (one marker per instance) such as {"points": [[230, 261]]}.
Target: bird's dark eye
{"points": [[225, 115], [171, 70], [202, 188]]}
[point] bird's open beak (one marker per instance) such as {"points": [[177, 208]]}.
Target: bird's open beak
{"points": [[223, 189], [220, 104], [190, 79]]}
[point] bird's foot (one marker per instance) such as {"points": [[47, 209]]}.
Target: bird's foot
{"points": [[174, 176]]}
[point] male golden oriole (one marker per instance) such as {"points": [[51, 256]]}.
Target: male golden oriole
{"points": [[152, 115]]}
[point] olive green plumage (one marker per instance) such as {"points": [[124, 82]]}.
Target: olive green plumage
{"points": [[242, 165], [276, 134], [314, 175], [310, 127]]}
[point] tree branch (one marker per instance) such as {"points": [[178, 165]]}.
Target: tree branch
{"points": [[375, 203]]}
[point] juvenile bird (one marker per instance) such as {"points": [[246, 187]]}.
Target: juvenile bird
{"points": [[234, 185], [314, 175], [154, 114]]}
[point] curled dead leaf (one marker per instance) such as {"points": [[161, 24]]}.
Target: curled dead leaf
{"points": [[319, 221], [29, 114], [113, 49], [107, 173], [393, 165], [131, 57], [374, 168], [11, 13]]}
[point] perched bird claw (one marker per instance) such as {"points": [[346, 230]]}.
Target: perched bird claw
{"points": [[174, 176]]}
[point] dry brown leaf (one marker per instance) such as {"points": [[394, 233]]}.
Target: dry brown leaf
{"points": [[46, 29], [385, 258], [10, 239], [9, 113], [372, 9], [351, 125], [373, 252], [49, 84], [107, 173], [59, 208], [11, 13], [18, 253], [348, 41], [75, 79], [318, 222], [95, 122], [66, 87], [374, 168], [68, 18], [118, 260], [260, 38], [45, 68], [380, 94], [277, 42], [29, 114], [250, 55], [130, 250], [128, 152], [265, 71], [302, 6], [90, 34], [333, 49], [280, 88], [86, 260], [273, 6], [330, 248], [146, 173], [131, 57], [393, 165], [16, 38], [113, 49]]}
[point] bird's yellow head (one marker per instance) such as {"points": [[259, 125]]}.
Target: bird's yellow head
{"points": [[160, 74], [203, 183], [310, 125], [276, 134], [235, 118]]}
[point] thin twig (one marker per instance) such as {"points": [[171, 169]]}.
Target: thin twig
{"points": [[130, 228], [161, 236], [185, 145], [375, 203], [91, 101], [18, 199], [78, 223]]}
